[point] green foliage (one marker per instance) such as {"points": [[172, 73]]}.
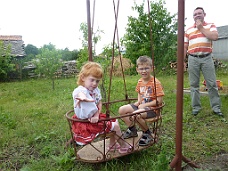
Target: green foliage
{"points": [[105, 63], [108, 51], [7, 120], [6, 64], [84, 30], [31, 52], [82, 57], [162, 162], [48, 62], [68, 55], [50, 47], [137, 39], [66, 160], [74, 55], [96, 36]]}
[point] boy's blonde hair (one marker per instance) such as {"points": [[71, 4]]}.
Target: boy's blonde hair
{"points": [[90, 68], [144, 60]]}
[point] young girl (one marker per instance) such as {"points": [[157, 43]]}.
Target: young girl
{"points": [[87, 106]]}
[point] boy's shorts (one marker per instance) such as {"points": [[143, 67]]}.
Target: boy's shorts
{"points": [[150, 114]]}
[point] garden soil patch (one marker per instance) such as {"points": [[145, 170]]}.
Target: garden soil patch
{"points": [[218, 162]]}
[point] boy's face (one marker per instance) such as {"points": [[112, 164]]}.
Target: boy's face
{"points": [[144, 70]]}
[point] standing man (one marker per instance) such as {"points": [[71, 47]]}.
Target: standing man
{"points": [[198, 46]]}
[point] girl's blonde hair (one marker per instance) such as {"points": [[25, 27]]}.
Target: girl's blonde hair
{"points": [[90, 68]]}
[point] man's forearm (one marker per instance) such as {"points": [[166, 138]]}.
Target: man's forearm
{"points": [[211, 35]]}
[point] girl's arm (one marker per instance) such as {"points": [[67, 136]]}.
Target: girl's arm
{"points": [[99, 107], [82, 97], [95, 117]]}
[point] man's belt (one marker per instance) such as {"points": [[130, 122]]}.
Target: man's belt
{"points": [[200, 56]]}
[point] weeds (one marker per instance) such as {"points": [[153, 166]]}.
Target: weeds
{"points": [[33, 128]]}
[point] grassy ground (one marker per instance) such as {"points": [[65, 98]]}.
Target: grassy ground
{"points": [[33, 129]]}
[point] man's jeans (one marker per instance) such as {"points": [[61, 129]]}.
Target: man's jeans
{"points": [[206, 64]]}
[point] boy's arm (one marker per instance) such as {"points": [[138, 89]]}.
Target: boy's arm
{"points": [[139, 100], [151, 104]]}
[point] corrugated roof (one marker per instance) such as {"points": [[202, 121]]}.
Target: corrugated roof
{"points": [[10, 37]]}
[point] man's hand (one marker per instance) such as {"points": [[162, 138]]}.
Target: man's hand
{"points": [[211, 35], [199, 24]]}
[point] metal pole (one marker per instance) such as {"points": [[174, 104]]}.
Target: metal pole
{"points": [[179, 98], [89, 31], [180, 71], [176, 162]]}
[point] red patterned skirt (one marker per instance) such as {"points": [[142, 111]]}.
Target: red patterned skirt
{"points": [[85, 132]]}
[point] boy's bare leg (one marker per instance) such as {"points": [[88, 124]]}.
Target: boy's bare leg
{"points": [[141, 121], [126, 109]]}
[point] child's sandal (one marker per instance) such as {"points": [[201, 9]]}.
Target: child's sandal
{"points": [[145, 140], [126, 149], [114, 147]]}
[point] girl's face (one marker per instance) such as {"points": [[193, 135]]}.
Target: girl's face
{"points": [[90, 82], [144, 71]]}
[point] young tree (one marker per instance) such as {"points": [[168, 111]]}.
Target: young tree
{"points": [[83, 53], [68, 55], [31, 51], [50, 46], [108, 51], [6, 64], [47, 63], [137, 39], [96, 36]]}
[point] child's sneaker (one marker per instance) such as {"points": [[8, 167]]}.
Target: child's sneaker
{"points": [[129, 134]]}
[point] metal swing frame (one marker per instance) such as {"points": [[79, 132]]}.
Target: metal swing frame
{"points": [[97, 151]]}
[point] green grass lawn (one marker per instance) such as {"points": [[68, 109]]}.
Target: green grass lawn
{"points": [[33, 128]]}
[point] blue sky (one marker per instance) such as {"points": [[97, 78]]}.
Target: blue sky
{"points": [[58, 21]]}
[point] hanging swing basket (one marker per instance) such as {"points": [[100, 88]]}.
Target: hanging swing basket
{"points": [[98, 150]]}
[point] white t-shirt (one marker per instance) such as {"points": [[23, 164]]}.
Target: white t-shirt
{"points": [[86, 109]]}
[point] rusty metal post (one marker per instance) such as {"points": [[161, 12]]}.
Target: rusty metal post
{"points": [[89, 31], [176, 162]]}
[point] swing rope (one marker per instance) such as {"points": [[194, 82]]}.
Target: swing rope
{"points": [[152, 48], [115, 36]]}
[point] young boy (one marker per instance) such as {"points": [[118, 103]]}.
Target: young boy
{"points": [[146, 100]]}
